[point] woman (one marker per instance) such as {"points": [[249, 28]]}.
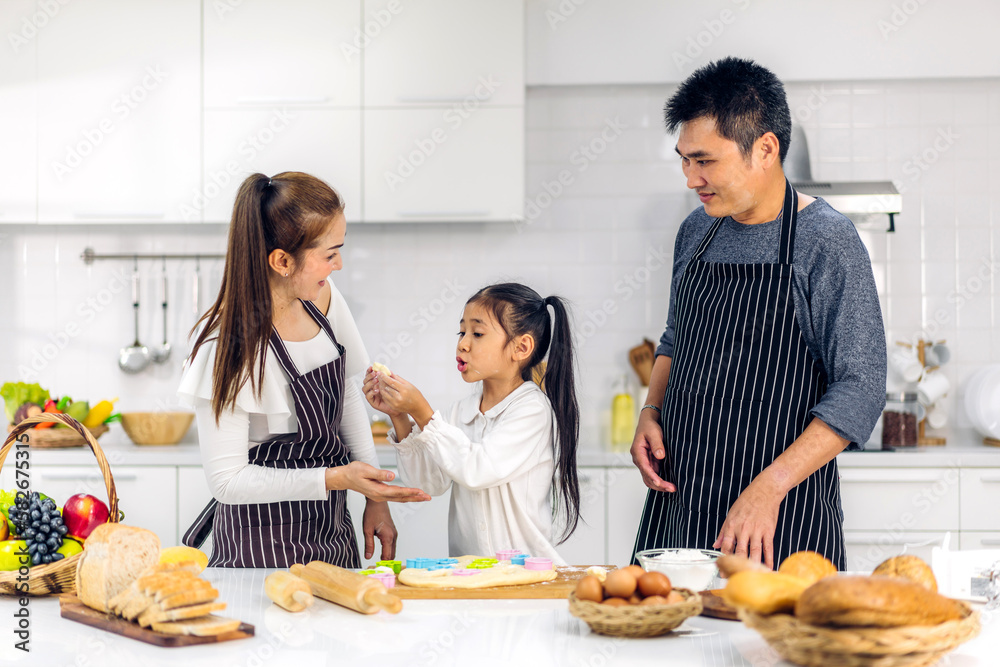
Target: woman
{"points": [[278, 420]]}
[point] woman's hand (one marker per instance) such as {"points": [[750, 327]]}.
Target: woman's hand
{"points": [[370, 388], [371, 483], [403, 398], [378, 521]]}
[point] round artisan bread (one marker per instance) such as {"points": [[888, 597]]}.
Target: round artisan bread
{"points": [[884, 602], [908, 567], [114, 556], [808, 565]]}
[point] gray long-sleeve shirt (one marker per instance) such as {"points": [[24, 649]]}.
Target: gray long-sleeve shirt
{"points": [[836, 304]]}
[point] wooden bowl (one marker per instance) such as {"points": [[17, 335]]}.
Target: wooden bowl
{"points": [[156, 428]]}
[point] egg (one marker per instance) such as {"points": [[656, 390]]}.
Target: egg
{"points": [[674, 597], [620, 584], [654, 583], [635, 570], [616, 602], [635, 598], [589, 588], [653, 599]]}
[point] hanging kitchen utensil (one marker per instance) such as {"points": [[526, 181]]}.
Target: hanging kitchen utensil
{"points": [[134, 358], [641, 358], [196, 289], [162, 353]]}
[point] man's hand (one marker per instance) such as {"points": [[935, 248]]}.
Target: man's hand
{"points": [[647, 450], [378, 521], [750, 525]]}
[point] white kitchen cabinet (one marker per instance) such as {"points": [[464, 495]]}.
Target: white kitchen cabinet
{"points": [[655, 42], [422, 527], [192, 497], [19, 21], [900, 499], [439, 52], [444, 164], [281, 53], [980, 499], [626, 498], [238, 142], [974, 539], [867, 549], [587, 545], [119, 111]]}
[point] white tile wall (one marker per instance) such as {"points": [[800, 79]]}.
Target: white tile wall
{"points": [[595, 242]]}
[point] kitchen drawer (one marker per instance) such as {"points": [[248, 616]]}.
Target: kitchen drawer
{"points": [[143, 492], [898, 500], [587, 544], [866, 549], [977, 539], [192, 496], [980, 499]]}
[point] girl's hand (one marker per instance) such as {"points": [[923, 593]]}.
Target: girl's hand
{"points": [[403, 398], [378, 522], [370, 388], [371, 483]]}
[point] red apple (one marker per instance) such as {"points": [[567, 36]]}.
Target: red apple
{"points": [[83, 513]]}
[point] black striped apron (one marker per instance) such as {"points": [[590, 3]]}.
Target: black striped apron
{"points": [[279, 534], [742, 382]]}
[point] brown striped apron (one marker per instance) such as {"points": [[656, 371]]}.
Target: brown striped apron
{"points": [[742, 384], [298, 531]]}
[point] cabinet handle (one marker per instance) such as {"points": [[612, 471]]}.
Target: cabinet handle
{"points": [[443, 214], [148, 215], [85, 476], [897, 542], [282, 100], [990, 542], [990, 478], [439, 99], [927, 477]]}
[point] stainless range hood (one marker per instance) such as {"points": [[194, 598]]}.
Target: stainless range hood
{"points": [[869, 204]]}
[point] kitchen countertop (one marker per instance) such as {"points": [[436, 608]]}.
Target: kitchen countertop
{"points": [[964, 449], [441, 633]]}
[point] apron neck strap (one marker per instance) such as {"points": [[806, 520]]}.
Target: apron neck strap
{"points": [[789, 217]]}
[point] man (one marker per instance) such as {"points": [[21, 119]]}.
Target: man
{"points": [[773, 359]]}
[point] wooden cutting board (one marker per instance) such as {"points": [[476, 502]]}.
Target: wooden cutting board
{"points": [[557, 589], [714, 606], [71, 608]]}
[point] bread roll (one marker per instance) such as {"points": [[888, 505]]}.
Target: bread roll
{"points": [[883, 602], [764, 592], [908, 567], [113, 557], [808, 565], [730, 564]]}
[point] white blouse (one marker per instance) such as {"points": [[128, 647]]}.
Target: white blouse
{"points": [[499, 465], [225, 448]]}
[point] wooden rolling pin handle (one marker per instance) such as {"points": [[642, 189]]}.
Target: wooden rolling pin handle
{"points": [[384, 601], [303, 598]]}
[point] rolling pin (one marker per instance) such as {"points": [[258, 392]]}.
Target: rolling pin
{"points": [[348, 589], [288, 591]]}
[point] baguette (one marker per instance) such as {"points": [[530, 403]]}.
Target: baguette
{"points": [[876, 601], [154, 615], [203, 626]]}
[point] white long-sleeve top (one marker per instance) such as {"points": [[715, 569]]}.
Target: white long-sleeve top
{"points": [[225, 448], [499, 466]]}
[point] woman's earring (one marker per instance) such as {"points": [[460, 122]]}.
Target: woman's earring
{"points": [[286, 274]]}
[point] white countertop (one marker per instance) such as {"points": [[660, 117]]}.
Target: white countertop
{"points": [[964, 449], [459, 633]]}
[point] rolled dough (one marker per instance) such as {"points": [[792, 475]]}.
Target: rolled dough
{"points": [[498, 575]]}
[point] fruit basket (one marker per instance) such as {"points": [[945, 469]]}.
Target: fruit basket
{"points": [[60, 576], [906, 646], [636, 620], [60, 437]]}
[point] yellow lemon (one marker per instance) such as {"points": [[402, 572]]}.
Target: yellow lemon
{"points": [[183, 553]]}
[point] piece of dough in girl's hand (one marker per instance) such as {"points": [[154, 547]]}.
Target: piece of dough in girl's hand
{"points": [[381, 368]]}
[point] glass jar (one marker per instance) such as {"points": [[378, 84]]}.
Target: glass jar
{"points": [[900, 418]]}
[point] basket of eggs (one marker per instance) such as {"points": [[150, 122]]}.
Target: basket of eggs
{"points": [[812, 616], [631, 602]]}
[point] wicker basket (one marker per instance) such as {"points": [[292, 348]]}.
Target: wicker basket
{"points": [[60, 437], [58, 577], [635, 620], [907, 646]]}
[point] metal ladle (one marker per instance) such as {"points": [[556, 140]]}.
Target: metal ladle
{"points": [[162, 353], [134, 358]]}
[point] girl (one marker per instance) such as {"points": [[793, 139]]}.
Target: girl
{"points": [[502, 447], [278, 419]]}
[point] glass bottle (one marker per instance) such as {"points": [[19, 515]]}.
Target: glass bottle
{"points": [[622, 417]]}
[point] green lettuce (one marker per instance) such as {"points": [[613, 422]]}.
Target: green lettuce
{"points": [[16, 394]]}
